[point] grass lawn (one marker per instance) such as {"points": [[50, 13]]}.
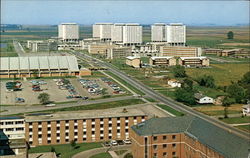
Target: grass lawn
{"points": [[66, 150], [223, 74], [150, 99], [170, 110], [244, 127], [120, 152], [108, 105], [8, 54], [236, 120], [102, 155]]}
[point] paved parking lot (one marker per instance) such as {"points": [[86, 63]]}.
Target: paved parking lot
{"points": [[56, 94], [30, 97]]}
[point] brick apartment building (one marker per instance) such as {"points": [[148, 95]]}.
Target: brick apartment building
{"points": [[162, 61], [81, 126], [180, 51], [185, 137], [194, 61]]}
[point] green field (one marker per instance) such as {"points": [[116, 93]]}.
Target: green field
{"points": [[236, 120], [65, 150], [244, 127], [102, 155], [170, 110], [223, 74]]}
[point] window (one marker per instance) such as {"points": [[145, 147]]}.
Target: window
{"points": [[110, 137], [118, 118], [58, 122], [126, 130], [134, 117], [48, 122], [101, 119], [75, 133], [93, 132], [118, 124], [39, 123], [143, 117], [164, 154], [110, 131], [57, 128], [75, 127], [67, 140], [67, 127], [67, 121], [155, 147], [19, 122], [164, 145], [173, 136], [101, 138], [58, 134], [49, 128], [30, 123], [165, 137], [173, 145], [58, 140], [155, 155], [126, 118], [118, 131], [93, 126], [110, 119], [39, 129], [84, 139], [110, 125], [9, 129], [67, 134], [20, 129], [84, 133], [39, 136], [93, 120], [173, 153], [30, 130], [155, 138], [101, 125], [75, 121]]}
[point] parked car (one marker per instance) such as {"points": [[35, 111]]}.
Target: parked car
{"points": [[50, 105], [127, 141], [85, 98], [120, 142], [107, 144], [19, 100], [113, 142]]}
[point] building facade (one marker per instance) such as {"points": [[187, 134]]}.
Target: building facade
{"points": [[102, 31], [133, 61], [81, 126], [132, 34], [176, 34], [194, 61], [159, 32], [68, 32], [162, 61], [184, 137], [179, 51], [38, 66], [117, 33], [119, 52]]}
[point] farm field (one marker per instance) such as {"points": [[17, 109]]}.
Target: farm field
{"points": [[223, 74]]}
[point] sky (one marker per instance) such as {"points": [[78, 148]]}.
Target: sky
{"points": [[43, 12]]}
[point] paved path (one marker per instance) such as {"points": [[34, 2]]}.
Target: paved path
{"points": [[240, 124], [32, 108], [89, 153], [19, 49], [113, 154]]}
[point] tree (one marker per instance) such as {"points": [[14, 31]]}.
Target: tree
{"points": [[230, 35], [225, 112], [43, 98], [52, 149], [206, 81], [187, 84], [227, 101], [185, 96], [236, 91], [179, 71], [73, 144]]}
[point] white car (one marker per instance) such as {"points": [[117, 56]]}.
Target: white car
{"points": [[113, 142], [127, 141], [50, 105]]}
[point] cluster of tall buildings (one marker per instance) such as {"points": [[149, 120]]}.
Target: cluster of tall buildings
{"points": [[127, 33], [174, 33]]}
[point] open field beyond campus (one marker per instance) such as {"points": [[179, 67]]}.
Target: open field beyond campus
{"points": [[215, 37], [65, 150]]}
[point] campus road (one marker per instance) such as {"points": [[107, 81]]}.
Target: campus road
{"points": [[10, 110], [159, 97], [19, 49]]}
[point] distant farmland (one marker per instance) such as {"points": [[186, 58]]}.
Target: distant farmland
{"points": [[196, 36]]}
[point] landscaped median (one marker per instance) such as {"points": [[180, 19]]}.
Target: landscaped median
{"points": [[65, 150], [170, 110], [102, 155]]}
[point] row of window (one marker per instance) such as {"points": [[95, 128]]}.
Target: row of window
{"points": [[164, 146], [12, 123], [155, 138], [164, 154], [93, 120], [13, 129]]}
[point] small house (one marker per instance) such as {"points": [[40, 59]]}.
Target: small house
{"points": [[202, 99], [174, 83]]}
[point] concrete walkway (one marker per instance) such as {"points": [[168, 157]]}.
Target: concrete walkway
{"points": [[240, 124], [89, 153], [113, 154]]}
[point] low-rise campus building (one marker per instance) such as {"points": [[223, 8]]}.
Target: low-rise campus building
{"points": [[81, 126], [194, 61], [42, 46], [133, 61], [12, 135], [162, 61], [185, 137], [38, 66], [180, 51], [118, 52], [202, 99], [100, 48]]}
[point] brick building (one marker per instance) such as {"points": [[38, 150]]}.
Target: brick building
{"points": [[194, 61], [180, 51], [81, 126], [185, 137], [162, 61], [133, 61]]}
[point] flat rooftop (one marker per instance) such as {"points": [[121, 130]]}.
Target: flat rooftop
{"points": [[164, 57], [85, 114], [184, 58]]}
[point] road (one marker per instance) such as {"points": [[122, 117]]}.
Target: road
{"points": [[159, 97], [10, 110], [19, 49]]}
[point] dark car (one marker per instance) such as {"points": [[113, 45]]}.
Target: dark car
{"points": [[107, 144], [85, 98], [120, 142]]}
